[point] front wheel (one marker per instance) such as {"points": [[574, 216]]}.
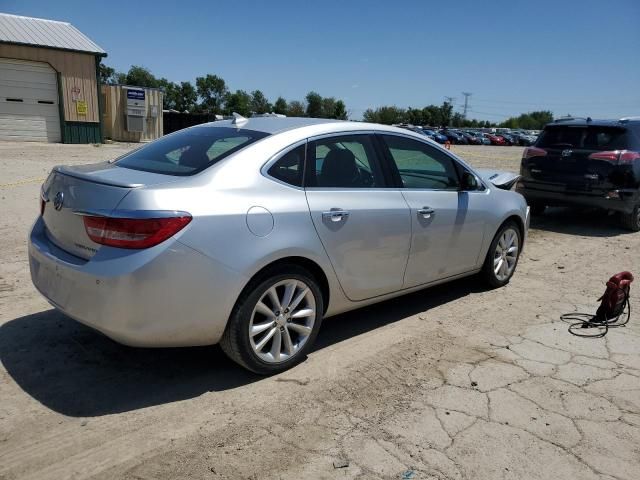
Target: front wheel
{"points": [[502, 257], [631, 221], [275, 321]]}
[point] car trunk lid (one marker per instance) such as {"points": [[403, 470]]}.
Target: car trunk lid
{"points": [[70, 192]]}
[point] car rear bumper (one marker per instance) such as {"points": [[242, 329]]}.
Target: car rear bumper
{"points": [[626, 201], [165, 296]]}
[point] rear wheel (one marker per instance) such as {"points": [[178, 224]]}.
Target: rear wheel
{"points": [[631, 221], [502, 257], [275, 321]]}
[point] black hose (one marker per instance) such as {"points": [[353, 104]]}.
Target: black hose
{"points": [[579, 321]]}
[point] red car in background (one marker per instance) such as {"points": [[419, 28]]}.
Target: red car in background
{"points": [[496, 139]]}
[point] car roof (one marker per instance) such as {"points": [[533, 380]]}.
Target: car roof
{"points": [[600, 123], [271, 125]]}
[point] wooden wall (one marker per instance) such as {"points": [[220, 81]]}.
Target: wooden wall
{"points": [[77, 70], [115, 111]]}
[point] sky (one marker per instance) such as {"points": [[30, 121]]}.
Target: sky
{"points": [[579, 57]]}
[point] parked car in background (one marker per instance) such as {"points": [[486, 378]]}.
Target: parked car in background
{"points": [[496, 139], [593, 163], [213, 234], [471, 138], [454, 137], [438, 137], [508, 139]]}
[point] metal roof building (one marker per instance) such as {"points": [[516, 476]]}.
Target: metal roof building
{"points": [[49, 82]]}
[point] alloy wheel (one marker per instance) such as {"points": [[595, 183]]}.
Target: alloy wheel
{"points": [[282, 321], [506, 254]]}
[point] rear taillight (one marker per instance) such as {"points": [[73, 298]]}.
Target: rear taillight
{"points": [[133, 232], [616, 156], [533, 152]]}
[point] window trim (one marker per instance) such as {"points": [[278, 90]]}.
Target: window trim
{"points": [[379, 159], [457, 165], [264, 171]]}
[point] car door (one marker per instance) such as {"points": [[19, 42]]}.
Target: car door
{"points": [[364, 226], [447, 232]]}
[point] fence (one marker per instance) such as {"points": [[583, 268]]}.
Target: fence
{"points": [[177, 121]]}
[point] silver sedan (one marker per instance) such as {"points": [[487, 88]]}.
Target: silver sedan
{"points": [[249, 232]]}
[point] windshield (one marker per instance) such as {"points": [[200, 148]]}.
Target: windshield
{"points": [[189, 151], [587, 137]]}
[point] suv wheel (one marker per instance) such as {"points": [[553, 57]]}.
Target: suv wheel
{"points": [[631, 221], [502, 257], [275, 321]]}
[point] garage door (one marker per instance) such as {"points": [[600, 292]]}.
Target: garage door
{"points": [[28, 101]]}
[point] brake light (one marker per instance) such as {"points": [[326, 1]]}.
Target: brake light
{"points": [[616, 156], [133, 232], [533, 152]]}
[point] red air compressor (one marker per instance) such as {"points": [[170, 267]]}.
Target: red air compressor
{"points": [[611, 312]]}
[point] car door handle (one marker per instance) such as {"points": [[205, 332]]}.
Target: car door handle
{"points": [[335, 215], [426, 212]]}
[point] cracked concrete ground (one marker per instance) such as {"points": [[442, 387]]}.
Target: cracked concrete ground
{"points": [[455, 382]]}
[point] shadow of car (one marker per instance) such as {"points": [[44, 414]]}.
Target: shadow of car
{"points": [[79, 372]]}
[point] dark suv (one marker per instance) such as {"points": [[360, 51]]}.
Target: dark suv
{"points": [[585, 162]]}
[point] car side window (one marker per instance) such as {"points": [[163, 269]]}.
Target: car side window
{"points": [[345, 161], [289, 167], [421, 165]]}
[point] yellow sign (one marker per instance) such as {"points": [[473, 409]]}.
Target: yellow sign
{"points": [[81, 107]]}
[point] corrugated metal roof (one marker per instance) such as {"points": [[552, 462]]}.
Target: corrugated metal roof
{"points": [[44, 33]]}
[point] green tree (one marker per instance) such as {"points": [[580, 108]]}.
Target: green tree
{"points": [[387, 115], [280, 106], [212, 91], [187, 97], [141, 77], [328, 107], [446, 112], [340, 112], [259, 103], [171, 93], [238, 102], [107, 74], [296, 109], [314, 105]]}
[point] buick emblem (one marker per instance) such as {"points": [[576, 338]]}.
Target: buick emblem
{"points": [[58, 200], [567, 153]]}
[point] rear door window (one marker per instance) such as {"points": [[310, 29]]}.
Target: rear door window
{"points": [[583, 137], [345, 161], [189, 151]]}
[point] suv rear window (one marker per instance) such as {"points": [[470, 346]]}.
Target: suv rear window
{"points": [[189, 151], [592, 137]]}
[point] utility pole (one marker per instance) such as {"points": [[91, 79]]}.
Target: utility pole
{"points": [[466, 103]]}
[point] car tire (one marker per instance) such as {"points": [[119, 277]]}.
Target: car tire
{"points": [[631, 221], [537, 208], [501, 261], [290, 339]]}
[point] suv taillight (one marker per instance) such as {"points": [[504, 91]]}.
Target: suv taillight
{"points": [[133, 232], [616, 156], [533, 152]]}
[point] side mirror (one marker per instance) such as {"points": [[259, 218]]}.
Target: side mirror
{"points": [[469, 182]]}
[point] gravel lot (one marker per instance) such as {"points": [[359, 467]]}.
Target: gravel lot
{"points": [[454, 382]]}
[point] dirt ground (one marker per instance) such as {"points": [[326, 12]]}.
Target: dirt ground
{"points": [[454, 382]]}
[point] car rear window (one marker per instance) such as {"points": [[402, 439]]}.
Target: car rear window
{"points": [[189, 151], [587, 137]]}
